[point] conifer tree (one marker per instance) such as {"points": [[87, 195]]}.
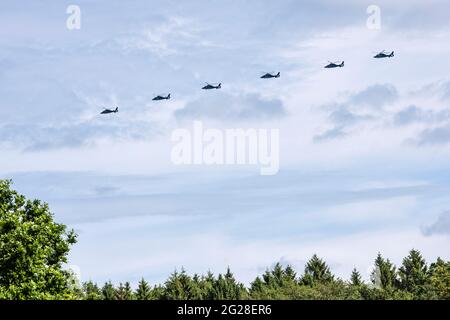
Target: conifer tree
{"points": [[257, 287], [227, 288], [124, 292], [143, 292], [207, 286], [384, 276], [413, 273], [158, 292], [178, 286], [196, 288], [91, 291], [355, 278], [108, 291], [289, 274], [316, 271]]}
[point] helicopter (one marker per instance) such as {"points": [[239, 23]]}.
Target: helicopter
{"points": [[108, 111], [159, 98], [210, 86], [334, 65], [270, 75], [384, 54]]}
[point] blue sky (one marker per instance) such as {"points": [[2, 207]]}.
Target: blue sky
{"points": [[364, 150]]}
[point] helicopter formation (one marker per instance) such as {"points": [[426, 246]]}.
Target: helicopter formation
{"points": [[269, 75]]}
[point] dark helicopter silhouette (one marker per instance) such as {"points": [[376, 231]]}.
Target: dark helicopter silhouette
{"points": [[159, 98], [334, 65], [210, 86], [108, 111], [384, 54], [270, 75]]}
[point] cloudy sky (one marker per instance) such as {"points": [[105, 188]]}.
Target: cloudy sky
{"points": [[364, 149]]}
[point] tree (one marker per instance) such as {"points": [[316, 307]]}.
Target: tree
{"points": [[33, 249], [257, 288], [124, 292], [143, 291], [91, 291], [178, 286], [384, 276], [108, 291], [413, 273], [197, 288], [278, 283], [439, 279], [206, 286], [158, 292], [316, 271], [278, 276], [355, 278], [227, 288]]}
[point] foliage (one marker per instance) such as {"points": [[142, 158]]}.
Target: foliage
{"points": [[384, 275], [108, 291], [144, 291], [33, 249], [438, 283], [316, 272], [124, 292], [413, 280], [355, 278], [413, 273], [91, 291]]}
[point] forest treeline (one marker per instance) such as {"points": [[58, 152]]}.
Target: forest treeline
{"points": [[414, 279], [34, 249]]}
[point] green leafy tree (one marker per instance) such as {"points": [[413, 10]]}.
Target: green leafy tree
{"points": [[33, 249], [143, 292], [439, 280], [316, 271], [413, 273]]}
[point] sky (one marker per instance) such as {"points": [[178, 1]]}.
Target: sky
{"points": [[364, 149]]}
